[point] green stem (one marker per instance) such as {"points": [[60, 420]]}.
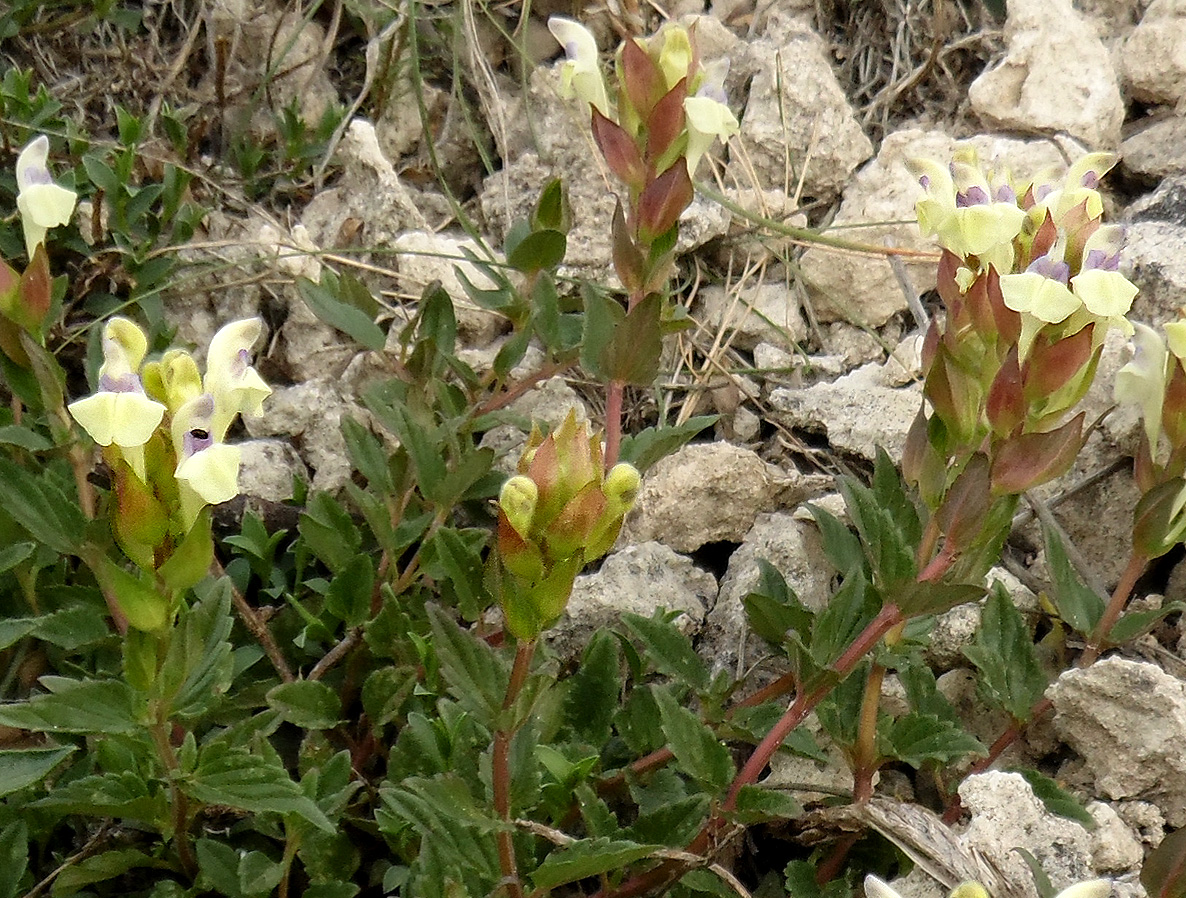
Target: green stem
{"points": [[501, 772], [178, 800], [865, 753]]}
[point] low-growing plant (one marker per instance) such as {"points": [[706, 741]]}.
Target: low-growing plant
{"points": [[366, 700]]}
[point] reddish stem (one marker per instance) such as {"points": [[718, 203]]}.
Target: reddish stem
{"points": [[501, 773], [1120, 595], [613, 422]]}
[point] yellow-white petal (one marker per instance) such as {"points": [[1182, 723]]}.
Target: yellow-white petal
{"points": [[1043, 297], [877, 888], [1108, 294], [124, 348], [125, 419], [1175, 338], [212, 473], [49, 205], [1093, 888]]}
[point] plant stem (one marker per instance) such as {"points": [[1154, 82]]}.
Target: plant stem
{"points": [[177, 799], [805, 702], [613, 422], [501, 772], [865, 754], [1120, 595], [257, 628]]}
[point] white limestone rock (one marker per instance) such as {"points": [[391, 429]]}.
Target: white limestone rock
{"points": [[1007, 815], [1114, 849], [424, 257], [752, 314], [798, 120], [856, 413], [708, 492], [637, 579], [311, 414], [1153, 59], [268, 469], [1056, 76], [1127, 719]]}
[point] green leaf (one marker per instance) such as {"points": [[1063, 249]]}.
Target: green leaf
{"points": [[917, 598], [258, 873], [841, 545], [16, 629], [100, 868], [1137, 623], [37, 504], [139, 599], [539, 251], [455, 832], [357, 294], [1004, 653], [22, 768], [476, 675], [650, 444], [917, 738], [890, 555], [1056, 799], [72, 627], [14, 857], [1077, 603], [25, 438], [250, 783], [77, 706], [218, 866], [329, 532], [438, 321], [851, 608], [591, 699], [422, 445], [669, 650], [199, 666], [602, 314], [367, 454], [350, 591], [454, 558], [122, 794], [587, 857], [11, 556], [1164, 872], [551, 210], [892, 494], [190, 561], [337, 314], [758, 805], [1041, 881], [632, 354], [775, 610], [695, 746], [309, 704]]}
